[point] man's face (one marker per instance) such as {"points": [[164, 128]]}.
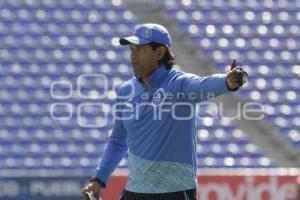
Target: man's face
{"points": [[144, 59]]}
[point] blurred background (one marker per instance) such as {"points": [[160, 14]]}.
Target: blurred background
{"points": [[61, 65]]}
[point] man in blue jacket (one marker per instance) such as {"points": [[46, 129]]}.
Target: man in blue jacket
{"points": [[154, 121]]}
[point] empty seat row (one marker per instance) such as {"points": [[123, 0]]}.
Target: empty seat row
{"points": [[264, 40]]}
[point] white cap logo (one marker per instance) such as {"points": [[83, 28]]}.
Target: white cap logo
{"points": [[147, 33]]}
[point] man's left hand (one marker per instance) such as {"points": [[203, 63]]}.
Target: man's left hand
{"points": [[236, 77]]}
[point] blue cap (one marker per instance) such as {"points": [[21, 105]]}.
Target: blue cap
{"points": [[147, 33]]}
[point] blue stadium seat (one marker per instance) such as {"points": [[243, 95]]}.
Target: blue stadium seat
{"points": [[269, 43], [53, 40]]}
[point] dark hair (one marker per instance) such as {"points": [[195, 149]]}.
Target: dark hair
{"points": [[169, 58]]}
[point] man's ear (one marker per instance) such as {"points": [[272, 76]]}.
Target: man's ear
{"points": [[161, 52]]}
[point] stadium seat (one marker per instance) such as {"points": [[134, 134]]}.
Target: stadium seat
{"points": [[268, 45], [53, 40], [46, 41]]}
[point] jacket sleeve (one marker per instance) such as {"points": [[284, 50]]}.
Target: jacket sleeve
{"points": [[115, 150], [198, 89]]}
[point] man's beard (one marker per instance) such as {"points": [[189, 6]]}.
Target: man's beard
{"points": [[137, 69]]}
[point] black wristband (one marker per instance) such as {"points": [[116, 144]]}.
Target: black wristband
{"points": [[98, 180]]}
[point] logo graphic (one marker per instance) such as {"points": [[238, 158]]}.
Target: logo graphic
{"points": [[159, 97], [147, 33]]}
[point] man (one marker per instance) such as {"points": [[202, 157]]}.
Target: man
{"points": [[154, 121]]}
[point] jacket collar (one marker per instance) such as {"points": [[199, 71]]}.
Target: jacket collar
{"points": [[157, 77]]}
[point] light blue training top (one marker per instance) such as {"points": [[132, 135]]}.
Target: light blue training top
{"points": [[156, 126]]}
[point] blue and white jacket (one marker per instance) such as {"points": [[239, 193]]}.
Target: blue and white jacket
{"points": [[156, 126]]}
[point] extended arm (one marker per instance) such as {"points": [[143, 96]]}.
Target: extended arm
{"points": [[202, 88]]}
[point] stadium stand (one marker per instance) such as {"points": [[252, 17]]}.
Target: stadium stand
{"points": [[45, 47], [55, 41], [265, 37]]}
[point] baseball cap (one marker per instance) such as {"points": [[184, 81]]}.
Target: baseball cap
{"points": [[147, 33]]}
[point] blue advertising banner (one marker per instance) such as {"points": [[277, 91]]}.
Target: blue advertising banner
{"points": [[41, 188]]}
